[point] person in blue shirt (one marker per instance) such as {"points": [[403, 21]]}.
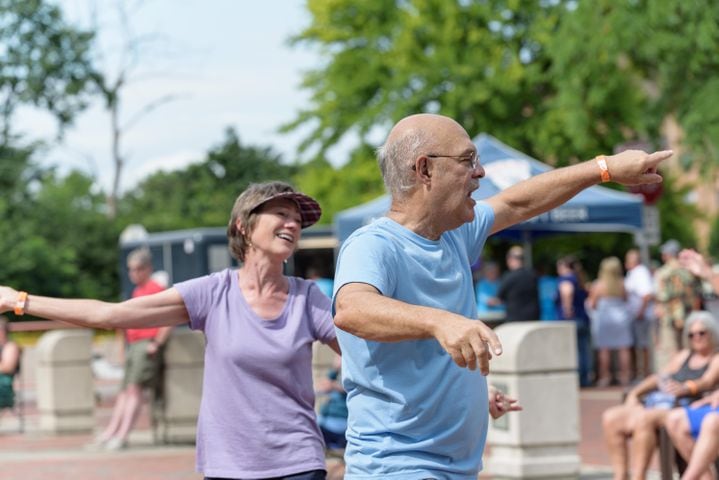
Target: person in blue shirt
{"points": [[570, 297], [323, 283], [414, 355], [486, 289], [332, 417]]}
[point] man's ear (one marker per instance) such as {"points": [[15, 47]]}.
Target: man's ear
{"points": [[423, 168]]}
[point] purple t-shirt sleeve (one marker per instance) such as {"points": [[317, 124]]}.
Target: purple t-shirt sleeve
{"points": [[320, 313], [199, 295]]}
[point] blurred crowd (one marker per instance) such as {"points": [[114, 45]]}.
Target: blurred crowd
{"points": [[629, 320], [648, 329]]}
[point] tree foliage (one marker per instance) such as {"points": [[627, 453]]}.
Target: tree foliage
{"points": [[357, 181], [713, 247], [664, 54], [58, 241], [54, 235], [43, 62], [202, 194], [677, 212], [558, 79]]}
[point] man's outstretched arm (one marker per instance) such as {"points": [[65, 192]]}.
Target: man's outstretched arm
{"points": [[551, 189]]}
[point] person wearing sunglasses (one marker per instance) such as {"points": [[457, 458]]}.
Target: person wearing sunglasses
{"points": [[695, 430], [414, 352], [689, 373]]}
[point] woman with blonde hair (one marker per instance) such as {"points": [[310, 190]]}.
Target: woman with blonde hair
{"points": [[611, 321]]}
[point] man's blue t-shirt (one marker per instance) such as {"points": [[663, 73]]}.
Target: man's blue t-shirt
{"points": [[413, 413]]}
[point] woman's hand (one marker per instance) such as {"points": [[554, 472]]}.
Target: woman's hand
{"points": [[673, 387]]}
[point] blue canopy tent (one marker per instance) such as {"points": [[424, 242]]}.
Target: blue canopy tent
{"points": [[596, 209]]}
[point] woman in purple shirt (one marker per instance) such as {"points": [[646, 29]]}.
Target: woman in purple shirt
{"points": [[257, 416]]}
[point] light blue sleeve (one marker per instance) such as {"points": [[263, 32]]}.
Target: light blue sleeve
{"points": [[366, 257], [476, 232]]}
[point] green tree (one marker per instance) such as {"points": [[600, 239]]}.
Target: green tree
{"points": [[658, 57], [54, 235], [713, 247], [202, 194], [357, 181], [558, 79], [44, 62], [490, 65], [676, 214]]}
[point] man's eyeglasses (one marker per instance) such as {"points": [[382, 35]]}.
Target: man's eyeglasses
{"points": [[471, 160], [697, 334]]}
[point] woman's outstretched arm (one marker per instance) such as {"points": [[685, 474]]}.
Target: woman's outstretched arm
{"points": [[165, 308]]}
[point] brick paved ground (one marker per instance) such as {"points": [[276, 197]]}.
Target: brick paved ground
{"points": [[33, 455]]}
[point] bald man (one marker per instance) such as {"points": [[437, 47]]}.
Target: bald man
{"points": [[414, 354]]}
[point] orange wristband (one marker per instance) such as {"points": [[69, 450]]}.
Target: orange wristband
{"points": [[602, 162], [20, 303], [692, 387]]}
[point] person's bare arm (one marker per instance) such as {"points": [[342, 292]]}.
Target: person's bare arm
{"points": [[592, 298], [159, 340], [165, 308], [362, 311], [550, 189], [566, 297], [701, 384], [646, 300], [699, 266], [162, 335], [9, 358]]}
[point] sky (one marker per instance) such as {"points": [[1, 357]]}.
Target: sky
{"points": [[226, 63]]}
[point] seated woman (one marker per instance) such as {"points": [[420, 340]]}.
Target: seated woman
{"points": [[694, 431], [690, 371], [9, 363]]}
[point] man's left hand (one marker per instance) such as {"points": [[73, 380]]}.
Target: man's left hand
{"points": [[499, 403], [635, 167]]}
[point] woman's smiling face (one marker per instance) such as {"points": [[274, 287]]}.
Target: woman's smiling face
{"points": [[277, 229]]}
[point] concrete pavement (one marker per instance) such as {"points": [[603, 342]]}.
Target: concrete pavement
{"points": [[33, 455]]}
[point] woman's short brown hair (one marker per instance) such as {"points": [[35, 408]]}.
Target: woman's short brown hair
{"points": [[251, 199]]}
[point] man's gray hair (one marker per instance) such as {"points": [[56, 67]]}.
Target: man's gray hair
{"points": [[396, 159], [141, 256]]}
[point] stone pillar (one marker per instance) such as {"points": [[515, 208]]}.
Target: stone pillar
{"points": [[539, 367], [64, 382], [184, 365]]}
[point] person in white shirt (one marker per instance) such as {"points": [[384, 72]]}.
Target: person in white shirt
{"points": [[640, 294]]}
